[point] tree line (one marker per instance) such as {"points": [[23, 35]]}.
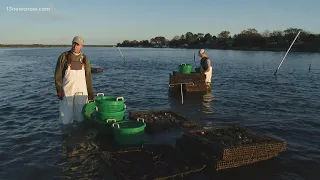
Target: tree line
{"points": [[249, 39], [45, 45]]}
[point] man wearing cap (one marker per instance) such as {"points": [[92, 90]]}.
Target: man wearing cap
{"points": [[205, 66], [73, 81]]}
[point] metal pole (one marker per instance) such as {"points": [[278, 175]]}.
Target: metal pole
{"points": [[310, 65], [287, 52], [194, 59], [121, 53], [181, 92]]}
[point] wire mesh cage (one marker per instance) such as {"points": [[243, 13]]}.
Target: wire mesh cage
{"points": [[230, 147], [162, 120]]}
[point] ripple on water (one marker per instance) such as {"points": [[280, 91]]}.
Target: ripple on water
{"points": [[244, 92]]}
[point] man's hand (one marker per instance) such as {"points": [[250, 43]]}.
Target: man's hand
{"points": [[90, 98], [60, 95]]}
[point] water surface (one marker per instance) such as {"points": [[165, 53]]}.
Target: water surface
{"points": [[244, 91]]}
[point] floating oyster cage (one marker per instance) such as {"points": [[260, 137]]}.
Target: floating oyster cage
{"points": [[182, 78], [194, 75], [194, 82], [156, 161], [235, 142], [231, 147], [161, 120], [196, 87], [96, 70], [191, 87]]}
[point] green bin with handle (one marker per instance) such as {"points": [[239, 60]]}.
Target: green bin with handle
{"points": [[129, 131], [104, 127], [88, 112], [109, 104], [185, 68], [102, 116]]}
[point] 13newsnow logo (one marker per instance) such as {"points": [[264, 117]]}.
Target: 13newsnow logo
{"points": [[14, 9]]}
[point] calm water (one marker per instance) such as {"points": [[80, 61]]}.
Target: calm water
{"points": [[245, 91]]}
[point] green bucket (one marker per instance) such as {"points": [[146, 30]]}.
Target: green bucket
{"points": [[104, 126], [109, 104], [185, 68], [88, 110], [102, 116], [129, 131]]}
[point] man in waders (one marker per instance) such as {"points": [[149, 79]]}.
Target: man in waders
{"points": [[73, 81], [205, 66]]}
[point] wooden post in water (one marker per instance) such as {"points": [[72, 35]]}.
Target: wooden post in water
{"points": [[287, 52]]}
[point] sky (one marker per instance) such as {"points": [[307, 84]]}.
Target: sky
{"points": [[109, 22]]}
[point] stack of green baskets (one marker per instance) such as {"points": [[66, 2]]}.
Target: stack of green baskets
{"points": [[109, 107], [108, 115], [91, 121]]}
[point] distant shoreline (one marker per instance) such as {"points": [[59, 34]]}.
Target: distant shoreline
{"points": [[45, 45], [234, 49], [247, 40], [230, 48]]}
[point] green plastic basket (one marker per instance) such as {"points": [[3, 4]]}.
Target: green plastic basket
{"points": [[129, 131], [185, 68], [88, 110], [104, 126], [109, 104], [102, 116]]}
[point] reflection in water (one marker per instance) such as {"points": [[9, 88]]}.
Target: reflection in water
{"points": [[206, 103], [201, 102], [70, 129], [244, 88]]}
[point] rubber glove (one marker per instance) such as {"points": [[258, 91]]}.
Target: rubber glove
{"points": [[60, 95], [90, 98]]}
